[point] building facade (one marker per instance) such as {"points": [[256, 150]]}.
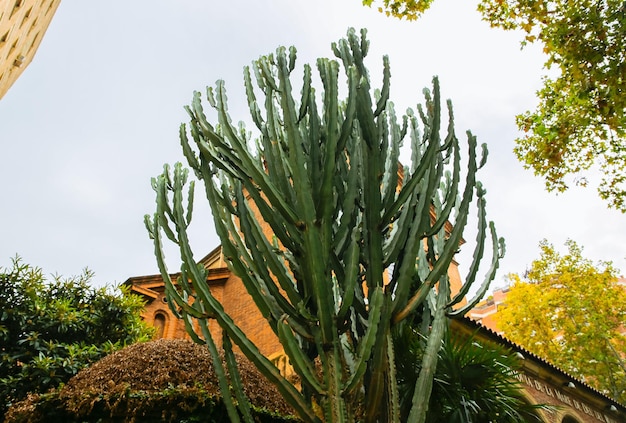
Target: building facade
{"points": [[227, 288], [23, 24], [572, 400], [569, 399]]}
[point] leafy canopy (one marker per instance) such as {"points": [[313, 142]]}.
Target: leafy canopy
{"points": [[49, 330], [571, 312], [580, 121]]}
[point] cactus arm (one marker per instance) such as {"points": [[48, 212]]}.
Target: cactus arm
{"points": [[452, 243], [421, 204], [297, 357], [329, 71], [314, 264], [231, 251], [426, 160], [379, 368], [498, 253], [196, 275], [478, 252], [371, 188], [188, 152], [266, 367], [261, 260], [264, 302], [349, 207], [314, 141], [351, 278], [394, 399], [243, 404], [246, 346], [423, 386], [306, 92], [384, 94], [264, 64], [350, 110], [452, 190], [366, 345], [405, 271], [222, 380], [296, 155], [356, 47], [255, 173], [403, 230], [286, 233], [390, 181], [255, 111], [278, 167], [154, 229], [264, 252]]}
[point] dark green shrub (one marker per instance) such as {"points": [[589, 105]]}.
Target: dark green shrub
{"points": [[49, 330]]}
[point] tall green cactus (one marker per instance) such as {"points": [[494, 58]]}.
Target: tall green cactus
{"points": [[359, 242]]}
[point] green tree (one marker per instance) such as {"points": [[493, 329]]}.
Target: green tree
{"points": [[49, 330], [571, 312], [581, 117], [580, 121], [358, 242]]}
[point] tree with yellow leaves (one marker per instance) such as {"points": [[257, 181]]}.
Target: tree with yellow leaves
{"points": [[572, 313]]}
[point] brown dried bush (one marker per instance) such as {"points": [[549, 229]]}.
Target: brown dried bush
{"points": [[162, 380]]}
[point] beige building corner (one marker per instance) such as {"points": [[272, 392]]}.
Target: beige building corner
{"points": [[23, 24]]}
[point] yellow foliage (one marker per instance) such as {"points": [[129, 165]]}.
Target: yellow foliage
{"points": [[571, 312]]}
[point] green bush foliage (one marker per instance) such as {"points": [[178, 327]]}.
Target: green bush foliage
{"points": [[50, 329]]}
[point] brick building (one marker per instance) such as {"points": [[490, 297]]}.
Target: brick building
{"points": [[227, 289], [575, 401]]}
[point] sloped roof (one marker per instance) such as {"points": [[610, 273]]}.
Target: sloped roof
{"points": [[152, 286], [534, 363]]}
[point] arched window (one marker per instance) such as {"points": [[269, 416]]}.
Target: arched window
{"points": [[160, 321], [535, 416], [569, 419]]}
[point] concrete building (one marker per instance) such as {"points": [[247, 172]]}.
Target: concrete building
{"points": [[485, 311], [23, 24]]}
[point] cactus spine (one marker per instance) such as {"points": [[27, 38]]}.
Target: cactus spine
{"points": [[359, 244]]}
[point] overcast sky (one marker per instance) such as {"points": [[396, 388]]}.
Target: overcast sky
{"points": [[96, 115]]}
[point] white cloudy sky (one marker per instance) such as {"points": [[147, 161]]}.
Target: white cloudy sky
{"points": [[96, 115]]}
